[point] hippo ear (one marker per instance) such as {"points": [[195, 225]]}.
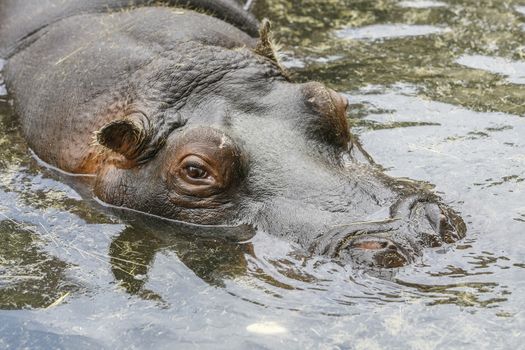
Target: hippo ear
{"points": [[127, 137], [265, 46], [136, 138]]}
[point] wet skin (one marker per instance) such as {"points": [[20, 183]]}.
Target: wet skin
{"points": [[185, 116]]}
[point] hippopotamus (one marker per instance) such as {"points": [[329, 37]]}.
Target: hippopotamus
{"points": [[183, 111]]}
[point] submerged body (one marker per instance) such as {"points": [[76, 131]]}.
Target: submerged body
{"points": [[187, 116]]}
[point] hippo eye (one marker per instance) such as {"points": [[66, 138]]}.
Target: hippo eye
{"points": [[195, 172], [201, 164]]}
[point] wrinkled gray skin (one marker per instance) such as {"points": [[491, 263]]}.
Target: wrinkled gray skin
{"points": [[154, 82]]}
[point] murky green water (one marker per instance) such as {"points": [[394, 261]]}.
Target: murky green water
{"points": [[437, 91]]}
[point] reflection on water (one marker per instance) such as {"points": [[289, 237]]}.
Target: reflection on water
{"points": [[513, 70], [444, 108], [386, 31], [421, 4]]}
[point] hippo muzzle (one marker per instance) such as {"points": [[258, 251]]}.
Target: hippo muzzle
{"points": [[414, 222]]}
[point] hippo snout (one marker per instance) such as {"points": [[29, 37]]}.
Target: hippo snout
{"points": [[414, 223], [375, 251]]}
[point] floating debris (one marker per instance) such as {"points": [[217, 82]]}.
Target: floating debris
{"points": [[58, 301]]}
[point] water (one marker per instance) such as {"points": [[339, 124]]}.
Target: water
{"points": [[387, 31], [443, 106], [513, 70]]}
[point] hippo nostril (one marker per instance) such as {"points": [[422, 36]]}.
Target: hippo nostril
{"points": [[445, 223], [434, 215], [376, 252], [371, 245], [451, 226], [392, 247], [391, 259], [448, 233]]}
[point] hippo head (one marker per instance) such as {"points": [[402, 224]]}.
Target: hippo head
{"points": [[219, 136]]}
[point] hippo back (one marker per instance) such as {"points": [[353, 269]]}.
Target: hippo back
{"points": [[21, 21]]}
